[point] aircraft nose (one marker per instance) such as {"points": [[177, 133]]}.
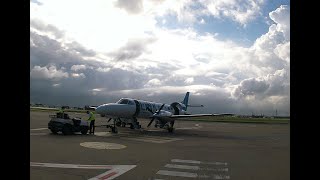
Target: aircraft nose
{"points": [[102, 109]]}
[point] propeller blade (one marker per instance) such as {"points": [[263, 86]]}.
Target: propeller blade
{"points": [[160, 109], [150, 122], [109, 120], [150, 110]]}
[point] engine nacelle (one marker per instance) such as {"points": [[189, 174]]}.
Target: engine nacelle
{"points": [[179, 108]]}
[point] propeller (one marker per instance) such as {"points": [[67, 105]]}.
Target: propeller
{"points": [[157, 112], [109, 120]]}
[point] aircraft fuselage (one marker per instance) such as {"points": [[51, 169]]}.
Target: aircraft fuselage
{"points": [[129, 108]]}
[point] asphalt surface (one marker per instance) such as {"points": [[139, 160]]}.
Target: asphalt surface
{"points": [[196, 150]]}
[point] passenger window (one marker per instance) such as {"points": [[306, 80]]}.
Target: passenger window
{"points": [[131, 103]]}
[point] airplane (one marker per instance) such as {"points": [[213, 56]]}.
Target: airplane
{"points": [[127, 110]]}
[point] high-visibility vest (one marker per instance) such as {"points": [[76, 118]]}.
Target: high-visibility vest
{"points": [[91, 117]]}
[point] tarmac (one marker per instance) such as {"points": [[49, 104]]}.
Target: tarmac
{"points": [[196, 150]]}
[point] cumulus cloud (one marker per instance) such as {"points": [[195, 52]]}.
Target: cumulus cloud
{"points": [[78, 67], [189, 80], [40, 26], [76, 75], [133, 49], [281, 16], [272, 50], [36, 2], [269, 59], [79, 49], [241, 11], [279, 83], [283, 51], [131, 6], [103, 69], [251, 86], [153, 82], [50, 72]]}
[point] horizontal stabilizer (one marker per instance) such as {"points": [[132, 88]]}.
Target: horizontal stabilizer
{"points": [[92, 108], [189, 105]]}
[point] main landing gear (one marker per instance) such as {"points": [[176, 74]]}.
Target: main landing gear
{"points": [[117, 122], [170, 128]]}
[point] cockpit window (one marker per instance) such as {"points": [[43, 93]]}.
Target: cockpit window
{"points": [[123, 101], [131, 102]]}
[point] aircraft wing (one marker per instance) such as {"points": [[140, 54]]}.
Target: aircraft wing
{"points": [[224, 114], [190, 115], [199, 115]]}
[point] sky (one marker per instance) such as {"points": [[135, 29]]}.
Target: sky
{"points": [[233, 56]]}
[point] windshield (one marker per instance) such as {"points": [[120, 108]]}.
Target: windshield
{"points": [[123, 101]]}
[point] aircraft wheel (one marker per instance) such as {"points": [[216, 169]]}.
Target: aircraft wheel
{"points": [[54, 131], [170, 130], [114, 130], [131, 126], [84, 131], [118, 124], [66, 130]]}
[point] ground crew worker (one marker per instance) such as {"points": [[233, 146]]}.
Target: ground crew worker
{"points": [[91, 120], [61, 112]]}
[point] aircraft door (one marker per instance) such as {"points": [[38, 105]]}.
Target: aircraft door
{"points": [[137, 108]]}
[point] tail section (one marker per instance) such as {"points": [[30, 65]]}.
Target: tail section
{"points": [[185, 100]]}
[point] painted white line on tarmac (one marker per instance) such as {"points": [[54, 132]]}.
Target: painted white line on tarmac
{"points": [[38, 129], [216, 169], [185, 128], [113, 170], [177, 166], [185, 161], [198, 162], [197, 126], [153, 140], [102, 145], [38, 134], [154, 130], [76, 166], [177, 173]]}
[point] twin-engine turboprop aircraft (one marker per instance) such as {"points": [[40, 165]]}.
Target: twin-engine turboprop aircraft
{"points": [[127, 110]]}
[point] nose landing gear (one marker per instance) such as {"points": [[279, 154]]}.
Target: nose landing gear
{"points": [[113, 128]]}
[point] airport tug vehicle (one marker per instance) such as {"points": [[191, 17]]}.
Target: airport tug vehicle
{"points": [[62, 122]]}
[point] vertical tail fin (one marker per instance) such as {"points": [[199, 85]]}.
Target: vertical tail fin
{"points": [[185, 100]]}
